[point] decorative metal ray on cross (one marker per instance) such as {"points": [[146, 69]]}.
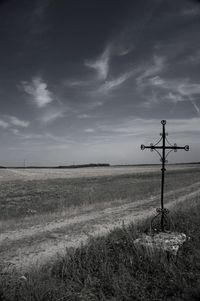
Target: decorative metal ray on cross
{"points": [[161, 221]]}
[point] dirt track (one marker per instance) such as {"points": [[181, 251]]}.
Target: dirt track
{"points": [[38, 244]]}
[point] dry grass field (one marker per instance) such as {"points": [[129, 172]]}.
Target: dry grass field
{"points": [[43, 211], [68, 234], [13, 174]]}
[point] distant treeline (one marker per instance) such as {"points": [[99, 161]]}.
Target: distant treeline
{"points": [[95, 165], [61, 166], [84, 165]]}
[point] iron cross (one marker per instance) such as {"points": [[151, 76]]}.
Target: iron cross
{"points": [[166, 146]]}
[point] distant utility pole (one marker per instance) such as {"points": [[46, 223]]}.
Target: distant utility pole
{"points": [[24, 163], [164, 147]]}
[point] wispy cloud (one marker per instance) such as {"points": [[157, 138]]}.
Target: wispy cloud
{"points": [[41, 7], [17, 122], [75, 83], [195, 57], [187, 88], [52, 114], [89, 130], [124, 51], [37, 88], [101, 64], [84, 116], [43, 140], [101, 67], [15, 131], [183, 87], [29, 136], [147, 127], [113, 84], [38, 26], [175, 98], [191, 11], [193, 102], [176, 90], [10, 121], [151, 70], [4, 124]]}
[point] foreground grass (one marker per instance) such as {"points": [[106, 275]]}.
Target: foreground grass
{"points": [[111, 268]]}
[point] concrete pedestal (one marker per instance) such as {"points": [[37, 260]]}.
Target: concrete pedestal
{"points": [[169, 242]]}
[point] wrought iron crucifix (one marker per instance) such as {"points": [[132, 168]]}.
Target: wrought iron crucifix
{"points": [[165, 147]]}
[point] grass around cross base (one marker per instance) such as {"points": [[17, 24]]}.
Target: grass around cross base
{"points": [[111, 268]]}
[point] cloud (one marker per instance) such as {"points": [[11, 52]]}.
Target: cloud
{"points": [[195, 57], [89, 130], [40, 8], [195, 106], [148, 127], [4, 124], [31, 136], [37, 88], [15, 131], [191, 11], [174, 97], [84, 116], [101, 64], [26, 136], [121, 46], [75, 83], [151, 70], [37, 20], [12, 120], [52, 114], [113, 84], [182, 87], [175, 90], [125, 51], [187, 89], [17, 122]]}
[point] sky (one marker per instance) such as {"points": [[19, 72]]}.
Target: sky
{"points": [[89, 81]]}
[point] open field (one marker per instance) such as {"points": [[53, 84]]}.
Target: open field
{"points": [[113, 268], [12, 174], [43, 215]]}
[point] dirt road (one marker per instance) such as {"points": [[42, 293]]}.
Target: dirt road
{"points": [[39, 244]]}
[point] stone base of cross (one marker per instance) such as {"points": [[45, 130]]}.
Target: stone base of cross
{"points": [[168, 243], [161, 223]]}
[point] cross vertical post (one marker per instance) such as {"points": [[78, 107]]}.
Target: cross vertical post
{"points": [[166, 145], [163, 174]]}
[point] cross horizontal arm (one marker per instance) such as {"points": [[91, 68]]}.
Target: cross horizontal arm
{"points": [[186, 147], [166, 147]]}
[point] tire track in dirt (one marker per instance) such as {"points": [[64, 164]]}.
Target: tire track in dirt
{"points": [[39, 244]]}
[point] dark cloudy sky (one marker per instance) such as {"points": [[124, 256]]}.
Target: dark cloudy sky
{"points": [[89, 81]]}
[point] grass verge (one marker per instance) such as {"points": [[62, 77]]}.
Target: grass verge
{"points": [[111, 268]]}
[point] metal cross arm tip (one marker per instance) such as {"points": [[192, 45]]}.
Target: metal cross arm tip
{"points": [[166, 148]]}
